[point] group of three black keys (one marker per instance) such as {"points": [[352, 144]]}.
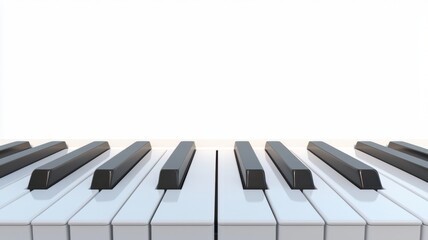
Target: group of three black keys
{"points": [[16, 155]]}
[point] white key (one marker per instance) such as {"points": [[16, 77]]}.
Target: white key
{"points": [[407, 200], [16, 217], [342, 222], [242, 214], [188, 213], [403, 197], [26, 171], [52, 223], [133, 219], [414, 184], [93, 220], [14, 191], [385, 219], [297, 219]]}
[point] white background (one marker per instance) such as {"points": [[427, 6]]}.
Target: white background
{"points": [[208, 69]]}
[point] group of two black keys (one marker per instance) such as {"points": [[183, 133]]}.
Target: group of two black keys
{"points": [[16, 155]]}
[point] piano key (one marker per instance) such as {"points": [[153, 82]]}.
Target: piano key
{"points": [[15, 223], [385, 220], [26, 171], [15, 184], [341, 221], [415, 166], [410, 149], [415, 185], [409, 201], [242, 213], [297, 219], [175, 169], [47, 175], [133, 219], [21, 159], [93, 220], [13, 147], [355, 171], [13, 191], [403, 197], [188, 213], [251, 172], [297, 175], [111, 172], [52, 223]]}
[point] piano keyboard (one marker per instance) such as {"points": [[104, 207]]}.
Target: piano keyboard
{"points": [[317, 191]]}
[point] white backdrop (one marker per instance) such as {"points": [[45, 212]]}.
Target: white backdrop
{"points": [[205, 69]]}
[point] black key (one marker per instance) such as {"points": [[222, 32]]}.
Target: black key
{"points": [[252, 173], [47, 175], [13, 147], [410, 149], [360, 174], [174, 171], [297, 175], [415, 166], [24, 158], [110, 173]]}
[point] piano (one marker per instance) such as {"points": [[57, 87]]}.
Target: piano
{"points": [[314, 190]]}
